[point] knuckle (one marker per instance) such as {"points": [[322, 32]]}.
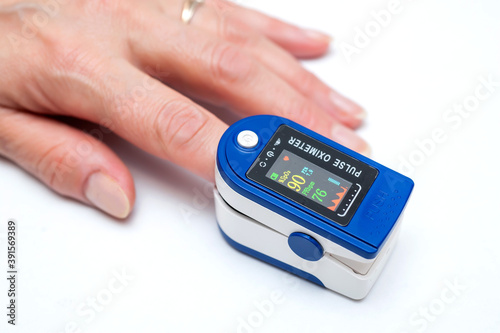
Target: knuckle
{"points": [[178, 126], [66, 57], [54, 164], [229, 65], [273, 24], [54, 44], [101, 7], [300, 111], [234, 32], [60, 52], [225, 10], [308, 81]]}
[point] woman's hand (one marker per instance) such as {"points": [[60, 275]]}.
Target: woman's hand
{"points": [[134, 67]]}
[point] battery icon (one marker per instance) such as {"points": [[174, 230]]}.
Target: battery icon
{"points": [[274, 176]]}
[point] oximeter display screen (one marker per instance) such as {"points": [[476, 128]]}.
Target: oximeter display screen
{"points": [[309, 180], [313, 174]]}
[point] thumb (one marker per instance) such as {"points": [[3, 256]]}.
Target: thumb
{"points": [[67, 160]]}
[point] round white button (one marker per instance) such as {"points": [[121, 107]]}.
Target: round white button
{"points": [[248, 139]]}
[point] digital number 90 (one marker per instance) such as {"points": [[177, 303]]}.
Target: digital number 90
{"points": [[296, 182]]}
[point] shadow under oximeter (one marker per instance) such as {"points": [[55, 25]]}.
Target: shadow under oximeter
{"points": [[293, 198]]}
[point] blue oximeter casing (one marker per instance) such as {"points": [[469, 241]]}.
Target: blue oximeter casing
{"points": [[304, 203]]}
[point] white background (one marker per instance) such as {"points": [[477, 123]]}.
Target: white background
{"points": [[187, 279]]}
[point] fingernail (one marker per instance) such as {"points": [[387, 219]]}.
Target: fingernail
{"points": [[350, 139], [346, 106], [318, 36], [106, 194]]}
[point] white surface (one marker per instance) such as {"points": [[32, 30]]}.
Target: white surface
{"points": [[187, 279]]}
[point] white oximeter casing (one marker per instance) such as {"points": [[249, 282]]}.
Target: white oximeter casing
{"points": [[295, 199]]}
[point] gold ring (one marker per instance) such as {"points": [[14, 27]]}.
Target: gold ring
{"points": [[189, 9]]}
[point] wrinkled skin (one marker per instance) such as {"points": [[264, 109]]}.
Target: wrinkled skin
{"points": [[134, 68]]}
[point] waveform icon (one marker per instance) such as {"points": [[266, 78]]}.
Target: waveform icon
{"points": [[339, 198]]}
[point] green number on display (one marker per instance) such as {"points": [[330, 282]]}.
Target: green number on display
{"points": [[319, 194]]}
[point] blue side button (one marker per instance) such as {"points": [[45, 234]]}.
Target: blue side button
{"points": [[305, 246]]}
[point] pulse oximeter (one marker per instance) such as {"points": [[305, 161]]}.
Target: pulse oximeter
{"points": [[295, 199]]}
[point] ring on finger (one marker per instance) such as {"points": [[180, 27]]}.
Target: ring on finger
{"points": [[189, 9]]}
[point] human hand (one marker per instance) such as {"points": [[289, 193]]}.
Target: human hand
{"points": [[134, 67]]}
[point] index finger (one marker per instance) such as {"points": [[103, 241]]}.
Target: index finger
{"points": [[143, 111]]}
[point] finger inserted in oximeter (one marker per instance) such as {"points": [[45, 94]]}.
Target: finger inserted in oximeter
{"points": [[299, 201]]}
